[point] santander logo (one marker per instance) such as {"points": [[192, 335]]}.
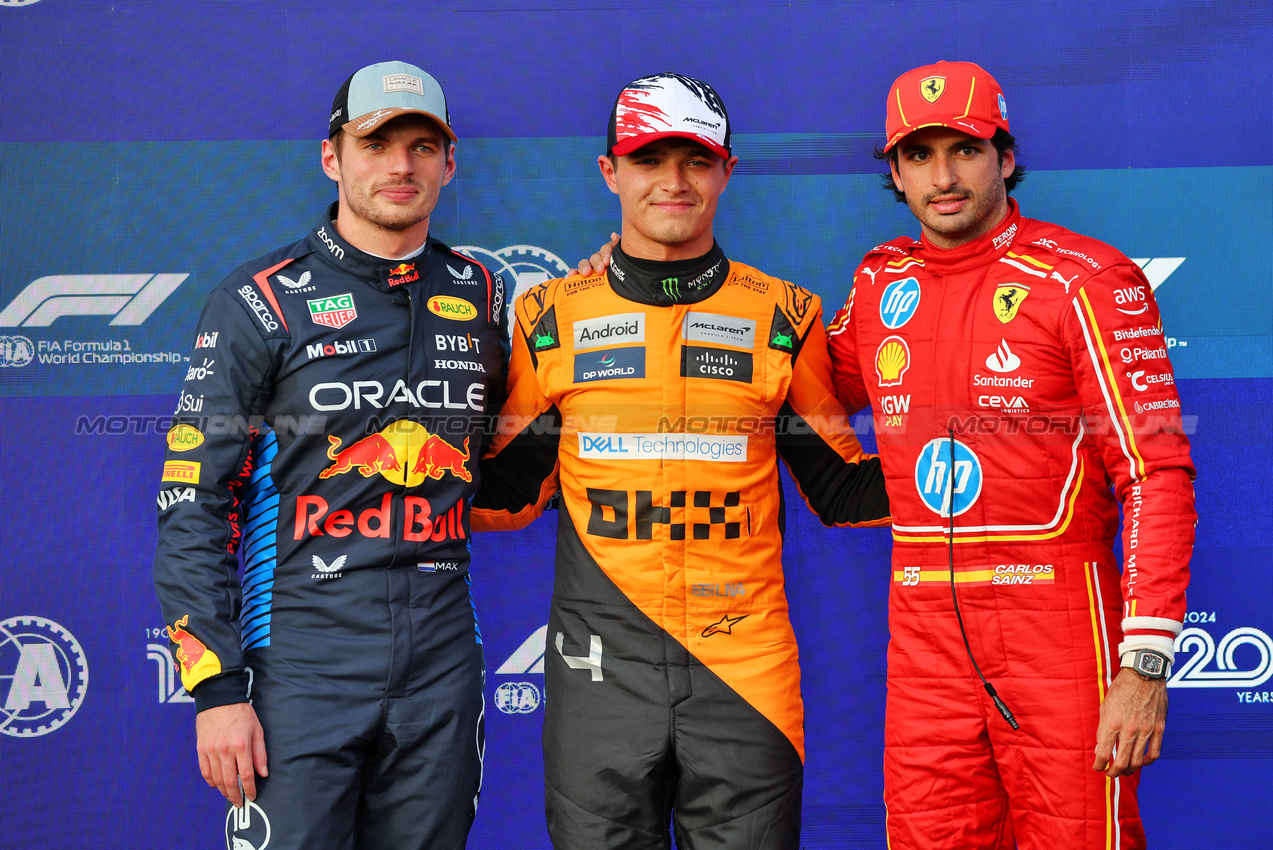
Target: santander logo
{"points": [[1003, 360]]}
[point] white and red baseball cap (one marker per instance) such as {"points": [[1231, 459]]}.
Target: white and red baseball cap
{"points": [[668, 105]]}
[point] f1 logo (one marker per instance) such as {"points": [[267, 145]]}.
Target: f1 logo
{"points": [[128, 298]]}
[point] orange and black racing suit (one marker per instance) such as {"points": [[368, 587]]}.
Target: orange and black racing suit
{"points": [[661, 396]]}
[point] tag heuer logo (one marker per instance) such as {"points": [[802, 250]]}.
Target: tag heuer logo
{"points": [[932, 87], [335, 311]]}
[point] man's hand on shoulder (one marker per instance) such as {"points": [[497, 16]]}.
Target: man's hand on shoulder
{"points": [[231, 748], [1133, 717], [599, 261]]}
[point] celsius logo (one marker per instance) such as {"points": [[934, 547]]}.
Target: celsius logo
{"points": [[899, 302], [1003, 360], [16, 351], [247, 827], [128, 299], [1228, 674], [47, 676], [517, 698]]}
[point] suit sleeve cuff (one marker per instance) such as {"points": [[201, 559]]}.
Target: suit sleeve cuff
{"points": [[224, 689]]}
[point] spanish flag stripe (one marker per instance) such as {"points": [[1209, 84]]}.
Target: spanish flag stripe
{"points": [[1031, 260]]}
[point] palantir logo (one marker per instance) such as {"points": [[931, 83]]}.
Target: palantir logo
{"points": [[128, 299], [43, 676]]}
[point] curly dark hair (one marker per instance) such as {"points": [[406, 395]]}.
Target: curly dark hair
{"points": [[1002, 140]]}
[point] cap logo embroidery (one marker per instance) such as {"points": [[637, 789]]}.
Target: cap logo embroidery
{"points": [[932, 88], [373, 118], [404, 82]]}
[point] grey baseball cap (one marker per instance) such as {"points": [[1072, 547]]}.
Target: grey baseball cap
{"points": [[377, 93]]}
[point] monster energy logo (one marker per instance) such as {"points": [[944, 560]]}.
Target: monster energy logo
{"points": [[671, 286]]}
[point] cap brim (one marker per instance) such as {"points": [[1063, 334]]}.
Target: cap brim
{"points": [[971, 126], [365, 125], [631, 143]]}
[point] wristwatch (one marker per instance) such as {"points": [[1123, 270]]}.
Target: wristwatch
{"points": [[1148, 663]]}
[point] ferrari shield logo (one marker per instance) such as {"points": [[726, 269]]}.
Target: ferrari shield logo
{"points": [[1008, 300], [932, 87]]}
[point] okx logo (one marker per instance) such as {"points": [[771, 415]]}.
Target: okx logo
{"points": [[128, 299], [43, 676]]}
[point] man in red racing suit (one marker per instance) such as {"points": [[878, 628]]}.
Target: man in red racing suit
{"points": [[1023, 368]]}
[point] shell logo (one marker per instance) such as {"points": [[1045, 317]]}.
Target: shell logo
{"points": [[452, 308], [892, 359]]}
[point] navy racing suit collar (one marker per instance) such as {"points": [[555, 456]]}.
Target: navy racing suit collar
{"points": [[386, 274]]}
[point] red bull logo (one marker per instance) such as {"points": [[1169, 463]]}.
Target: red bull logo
{"points": [[316, 517], [189, 648], [403, 273], [439, 457], [389, 452]]}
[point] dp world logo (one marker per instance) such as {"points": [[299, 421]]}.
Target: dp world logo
{"points": [[43, 676], [942, 471]]}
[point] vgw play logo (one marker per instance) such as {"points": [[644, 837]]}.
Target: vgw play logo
{"points": [[43, 676]]}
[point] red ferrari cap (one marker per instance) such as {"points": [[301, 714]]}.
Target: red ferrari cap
{"points": [[959, 95]]}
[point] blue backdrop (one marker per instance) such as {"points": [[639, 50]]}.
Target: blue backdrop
{"points": [[149, 146]]}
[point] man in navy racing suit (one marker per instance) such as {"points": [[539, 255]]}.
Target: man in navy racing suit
{"points": [[313, 547]]}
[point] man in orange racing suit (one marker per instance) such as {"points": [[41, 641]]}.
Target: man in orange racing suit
{"points": [[669, 386], [1023, 368]]}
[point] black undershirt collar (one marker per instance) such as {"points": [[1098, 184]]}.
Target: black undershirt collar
{"points": [[667, 282]]}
